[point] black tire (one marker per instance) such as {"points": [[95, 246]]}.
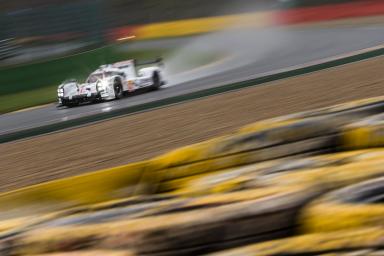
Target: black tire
{"points": [[156, 81], [118, 88]]}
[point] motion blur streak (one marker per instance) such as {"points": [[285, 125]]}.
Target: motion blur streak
{"points": [[234, 48]]}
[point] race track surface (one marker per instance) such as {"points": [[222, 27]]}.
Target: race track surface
{"points": [[265, 51]]}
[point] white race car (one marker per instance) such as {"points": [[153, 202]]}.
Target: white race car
{"points": [[111, 81]]}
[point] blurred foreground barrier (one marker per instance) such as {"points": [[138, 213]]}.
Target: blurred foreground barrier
{"points": [[127, 208], [322, 173], [90, 253], [255, 175], [304, 147], [355, 242], [266, 206], [261, 214], [368, 132], [356, 206], [32, 203], [329, 178]]}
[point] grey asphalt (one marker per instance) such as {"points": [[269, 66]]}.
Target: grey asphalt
{"points": [[247, 55]]}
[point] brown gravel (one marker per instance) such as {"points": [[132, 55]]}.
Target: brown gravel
{"points": [[145, 135]]}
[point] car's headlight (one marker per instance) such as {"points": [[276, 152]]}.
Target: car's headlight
{"points": [[101, 85], [60, 92]]}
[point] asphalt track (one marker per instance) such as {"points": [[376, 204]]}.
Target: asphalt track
{"points": [[264, 52]]}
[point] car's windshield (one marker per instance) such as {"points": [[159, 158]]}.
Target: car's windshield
{"points": [[94, 77]]}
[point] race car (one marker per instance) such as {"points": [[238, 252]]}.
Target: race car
{"points": [[112, 81]]}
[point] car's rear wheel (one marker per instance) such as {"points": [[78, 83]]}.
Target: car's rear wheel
{"points": [[156, 83], [118, 89]]}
